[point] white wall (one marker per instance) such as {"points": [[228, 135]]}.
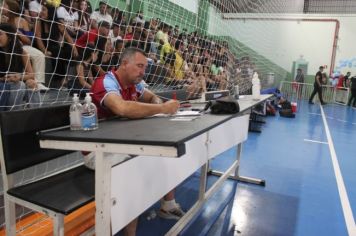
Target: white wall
{"points": [[284, 41], [191, 5]]}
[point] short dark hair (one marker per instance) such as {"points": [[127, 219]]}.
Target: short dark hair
{"points": [[321, 67], [118, 42], [104, 24], [129, 52]]}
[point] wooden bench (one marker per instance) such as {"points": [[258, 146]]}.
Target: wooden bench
{"points": [[56, 195]]}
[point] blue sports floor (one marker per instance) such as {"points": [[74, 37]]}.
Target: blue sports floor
{"points": [[310, 173]]}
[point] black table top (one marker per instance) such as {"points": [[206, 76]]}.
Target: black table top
{"points": [[158, 131]]}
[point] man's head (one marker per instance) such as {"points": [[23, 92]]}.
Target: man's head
{"points": [[348, 73], [103, 6], [133, 63], [104, 28], [321, 68], [299, 71]]}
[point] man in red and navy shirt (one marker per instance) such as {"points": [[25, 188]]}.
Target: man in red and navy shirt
{"points": [[122, 93]]}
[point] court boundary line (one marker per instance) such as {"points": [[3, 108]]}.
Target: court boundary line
{"points": [[315, 141], [344, 199]]}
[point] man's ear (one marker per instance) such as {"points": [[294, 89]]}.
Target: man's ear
{"points": [[124, 62]]}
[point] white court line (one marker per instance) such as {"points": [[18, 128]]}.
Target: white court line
{"points": [[318, 114], [315, 141], [345, 203], [342, 120]]}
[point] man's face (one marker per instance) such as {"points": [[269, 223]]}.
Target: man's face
{"points": [[104, 31], [102, 8], [135, 68]]}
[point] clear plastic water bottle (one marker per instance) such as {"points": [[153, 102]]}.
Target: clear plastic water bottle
{"points": [[236, 92], [75, 112], [256, 87], [89, 114]]}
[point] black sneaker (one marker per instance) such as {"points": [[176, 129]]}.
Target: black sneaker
{"points": [[310, 102], [323, 103]]}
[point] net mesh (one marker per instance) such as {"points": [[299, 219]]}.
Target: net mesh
{"points": [[50, 50]]}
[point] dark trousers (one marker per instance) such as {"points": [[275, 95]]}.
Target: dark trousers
{"points": [[317, 89], [353, 97]]}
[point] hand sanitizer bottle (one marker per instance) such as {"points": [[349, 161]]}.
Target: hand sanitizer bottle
{"points": [[256, 87], [89, 114], [75, 112]]}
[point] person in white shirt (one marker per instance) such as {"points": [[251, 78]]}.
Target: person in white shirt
{"points": [[35, 8], [115, 33], [101, 15], [67, 16], [139, 18]]}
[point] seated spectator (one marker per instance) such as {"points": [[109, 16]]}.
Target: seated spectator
{"points": [[83, 18], [34, 8], [68, 17], [101, 15], [181, 76], [12, 9], [120, 18], [139, 18], [138, 39], [16, 70], [167, 49], [128, 33], [83, 78], [115, 32], [50, 36], [117, 50], [92, 36], [104, 62]]}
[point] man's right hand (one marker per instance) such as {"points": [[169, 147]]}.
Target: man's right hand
{"points": [[170, 107]]}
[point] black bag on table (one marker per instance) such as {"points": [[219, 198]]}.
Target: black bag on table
{"points": [[224, 105]]}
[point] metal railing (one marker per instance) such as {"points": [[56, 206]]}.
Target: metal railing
{"points": [[302, 91]]}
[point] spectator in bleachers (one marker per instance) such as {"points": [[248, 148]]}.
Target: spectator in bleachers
{"points": [[117, 50], [115, 32], [104, 62], [54, 41], [176, 31], [120, 18], [83, 17], [129, 33], [12, 9], [138, 40], [139, 18], [101, 15], [83, 78], [16, 69], [68, 17], [161, 36], [180, 76], [91, 36], [34, 8], [167, 49]]}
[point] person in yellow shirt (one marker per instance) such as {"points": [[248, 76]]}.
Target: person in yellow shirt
{"points": [[180, 75], [167, 49]]}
